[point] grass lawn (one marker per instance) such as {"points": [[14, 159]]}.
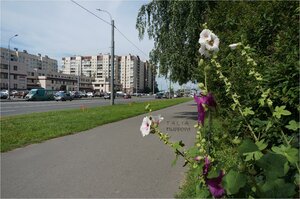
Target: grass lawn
{"points": [[18, 131]]}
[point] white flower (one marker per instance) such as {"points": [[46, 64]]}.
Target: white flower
{"points": [[233, 46], [209, 43], [203, 51], [205, 36], [157, 119], [145, 127], [213, 44]]}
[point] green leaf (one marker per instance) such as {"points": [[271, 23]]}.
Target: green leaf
{"points": [[277, 188], [290, 153], [248, 111], [261, 145], [273, 165], [233, 181], [253, 155], [293, 125], [247, 146], [280, 111], [202, 192]]}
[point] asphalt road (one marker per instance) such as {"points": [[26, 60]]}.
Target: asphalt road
{"points": [[110, 161], [23, 107]]}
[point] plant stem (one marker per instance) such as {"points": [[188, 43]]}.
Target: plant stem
{"points": [[248, 125]]}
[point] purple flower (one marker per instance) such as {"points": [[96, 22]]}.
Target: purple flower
{"points": [[206, 166], [215, 185], [208, 100]]}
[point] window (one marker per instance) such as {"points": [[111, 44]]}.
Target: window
{"points": [[4, 75], [4, 66], [52, 81], [15, 67], [15, 77], [15, 86]]}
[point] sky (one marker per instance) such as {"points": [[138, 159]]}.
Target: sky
{"points": [[60, 28]]}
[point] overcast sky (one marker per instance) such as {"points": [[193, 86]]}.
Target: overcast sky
{"points": [[60, 28]]}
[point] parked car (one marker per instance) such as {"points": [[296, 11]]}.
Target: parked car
{"points": [[159, 95], [3, 94], [62, 96], [127, 96], [90, 94], [40, 94], [76, 94], [107, 96]]}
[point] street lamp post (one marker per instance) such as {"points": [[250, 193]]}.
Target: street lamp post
{"points": [[112, 57], [9, 58]]}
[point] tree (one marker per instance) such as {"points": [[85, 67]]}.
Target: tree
{"points": [[174, 26]]}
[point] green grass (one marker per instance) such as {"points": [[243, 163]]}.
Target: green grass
{"points": [[19, 131]]}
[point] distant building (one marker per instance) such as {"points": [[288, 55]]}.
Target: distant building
{"points": [[29, 71], [129, 71]]}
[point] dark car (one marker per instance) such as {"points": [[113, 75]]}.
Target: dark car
{"points": [[159, 95], [76, 94], [127, 96], [62, 96]]}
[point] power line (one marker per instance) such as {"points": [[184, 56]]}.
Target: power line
{"points": [[110, 25], [90, 12], [131, 42]]}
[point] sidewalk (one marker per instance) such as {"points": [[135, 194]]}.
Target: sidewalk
{"points": [[109, 161]]}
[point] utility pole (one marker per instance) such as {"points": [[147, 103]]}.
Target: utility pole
{"points": [[112, 100], [9, 59]]}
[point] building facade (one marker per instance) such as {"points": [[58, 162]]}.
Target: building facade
{"points": [[28, 71], [97, 67]]}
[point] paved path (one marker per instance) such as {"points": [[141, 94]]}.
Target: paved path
{"points": [[110, 161]]}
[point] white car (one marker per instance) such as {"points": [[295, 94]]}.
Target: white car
{"points": [[90, 94]]}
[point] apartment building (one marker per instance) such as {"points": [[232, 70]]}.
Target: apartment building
{"points": [[97, 67], [29, 71], [149, 76], [131, 74]]}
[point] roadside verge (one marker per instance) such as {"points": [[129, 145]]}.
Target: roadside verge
{"points": [[22, 130]]}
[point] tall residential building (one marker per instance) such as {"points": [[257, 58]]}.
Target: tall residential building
{"points": [[150, 76], [97, 66], [132, 74]]}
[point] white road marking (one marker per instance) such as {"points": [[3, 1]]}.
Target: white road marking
{"points": [[8, 111]]}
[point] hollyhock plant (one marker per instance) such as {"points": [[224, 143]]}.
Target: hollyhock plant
{"points": [[209, 43], [201, 101], [157, 119], [206, 166], [215, 185], [146, 126], [234, 46]]}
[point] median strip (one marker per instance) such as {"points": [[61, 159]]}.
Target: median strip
{"points": [[22, 130]]}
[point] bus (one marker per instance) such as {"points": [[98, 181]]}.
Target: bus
{"points": [[40, 94]]}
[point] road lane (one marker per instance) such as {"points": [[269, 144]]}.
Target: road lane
{"points": [[24, 107]]}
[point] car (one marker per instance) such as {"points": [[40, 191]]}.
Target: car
{"points": [[62, 96], [90, 94], [107, 96], [3, 95], [159, 95], [127, 96], [76, 94]]}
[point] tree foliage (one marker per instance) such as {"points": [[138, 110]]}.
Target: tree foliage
{"points": [[174, 26]]}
